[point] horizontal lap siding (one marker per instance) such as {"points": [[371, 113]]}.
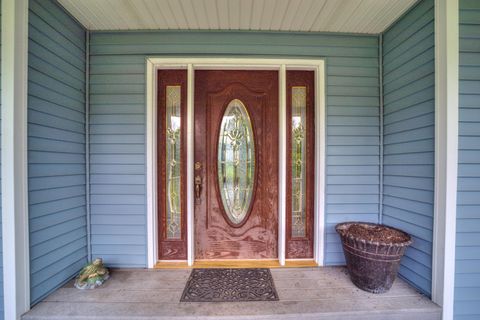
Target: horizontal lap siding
{"points": [[117, 160], [408, 69], [117, 129], [56, 147], [467, 280]]}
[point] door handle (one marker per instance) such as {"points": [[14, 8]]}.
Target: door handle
{"points": [[198, 189]]}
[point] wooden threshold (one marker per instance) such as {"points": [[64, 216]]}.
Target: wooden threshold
{"points": [[171, 265], [236, 264], [302, 263]]}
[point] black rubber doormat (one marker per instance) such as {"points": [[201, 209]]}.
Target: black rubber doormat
{"points": [[229, 285]]}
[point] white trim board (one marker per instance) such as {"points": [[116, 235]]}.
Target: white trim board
{"points": [[14, 79], [282, 163], [192, 64], [446, 153]]}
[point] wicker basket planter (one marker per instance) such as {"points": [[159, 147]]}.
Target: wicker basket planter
{"points": [[372, 265]]}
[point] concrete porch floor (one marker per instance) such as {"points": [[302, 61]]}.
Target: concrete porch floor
{"points": [[305, 293]]}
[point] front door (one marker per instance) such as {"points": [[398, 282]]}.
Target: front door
{"points": [[236, 164]]}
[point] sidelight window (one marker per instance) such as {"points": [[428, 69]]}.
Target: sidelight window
{"points": [[299, 183], [173, 163]]}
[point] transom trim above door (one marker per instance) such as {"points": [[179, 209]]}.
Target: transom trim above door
{"points": [[280, 66]]}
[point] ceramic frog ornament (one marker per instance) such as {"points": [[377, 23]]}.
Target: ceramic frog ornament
{"points": [[92, 275]]}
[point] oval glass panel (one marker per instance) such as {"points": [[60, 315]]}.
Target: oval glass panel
{"points": [[236, 161]]}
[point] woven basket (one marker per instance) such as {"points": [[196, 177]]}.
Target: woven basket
{"points": [[372, 266]]}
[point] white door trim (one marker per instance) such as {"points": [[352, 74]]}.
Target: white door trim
{"points": [[191, 64], [446, 153], [282, 163]]}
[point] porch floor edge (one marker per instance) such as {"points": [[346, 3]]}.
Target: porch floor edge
{"points": [[306, 293]]}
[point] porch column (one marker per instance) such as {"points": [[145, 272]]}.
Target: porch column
{"points": [[446, 153], [14, 68]]}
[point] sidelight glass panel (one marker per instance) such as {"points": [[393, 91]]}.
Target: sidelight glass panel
{"points": [[299, 184], [236, 161], [173, 163]]}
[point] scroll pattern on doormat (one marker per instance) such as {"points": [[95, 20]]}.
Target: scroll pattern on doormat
{"points": [[229, 285]]}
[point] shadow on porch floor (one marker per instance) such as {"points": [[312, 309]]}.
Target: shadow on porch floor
{"points": [[306, 293]]}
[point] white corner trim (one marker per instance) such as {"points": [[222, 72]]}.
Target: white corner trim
{"points": [[282, 163], [191, 64], [151, 160], [446, 153], [14, 80], [320, 163]]}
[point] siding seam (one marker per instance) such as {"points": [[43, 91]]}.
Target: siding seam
{"points": [[87, 143], [380, 80]]}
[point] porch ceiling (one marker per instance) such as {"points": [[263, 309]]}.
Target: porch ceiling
{"points": [[351, 16]]}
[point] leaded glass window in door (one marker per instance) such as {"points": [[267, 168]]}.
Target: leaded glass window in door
{"points": [[236, 161], [298, 134], [173, 163]]}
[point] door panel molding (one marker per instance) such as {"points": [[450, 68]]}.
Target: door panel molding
{"points": [[153, 64]]}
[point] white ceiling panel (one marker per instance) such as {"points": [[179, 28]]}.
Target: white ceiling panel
{"points": [[351, 16]]}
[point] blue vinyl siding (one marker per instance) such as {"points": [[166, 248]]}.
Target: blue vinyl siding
{"points": [[56, 147], [117, 126], [467, 279], [409, 106]]}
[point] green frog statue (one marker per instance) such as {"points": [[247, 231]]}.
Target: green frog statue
{"points": [[92, 275]]}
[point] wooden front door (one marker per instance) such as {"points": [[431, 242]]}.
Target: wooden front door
{"points": [[236, 164]]}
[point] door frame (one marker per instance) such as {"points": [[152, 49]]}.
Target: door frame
{"points": [[153, 64]]}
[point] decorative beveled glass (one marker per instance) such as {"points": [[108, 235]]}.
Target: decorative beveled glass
{"points": [[173, 163], [236, 161], [299, 185]]}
